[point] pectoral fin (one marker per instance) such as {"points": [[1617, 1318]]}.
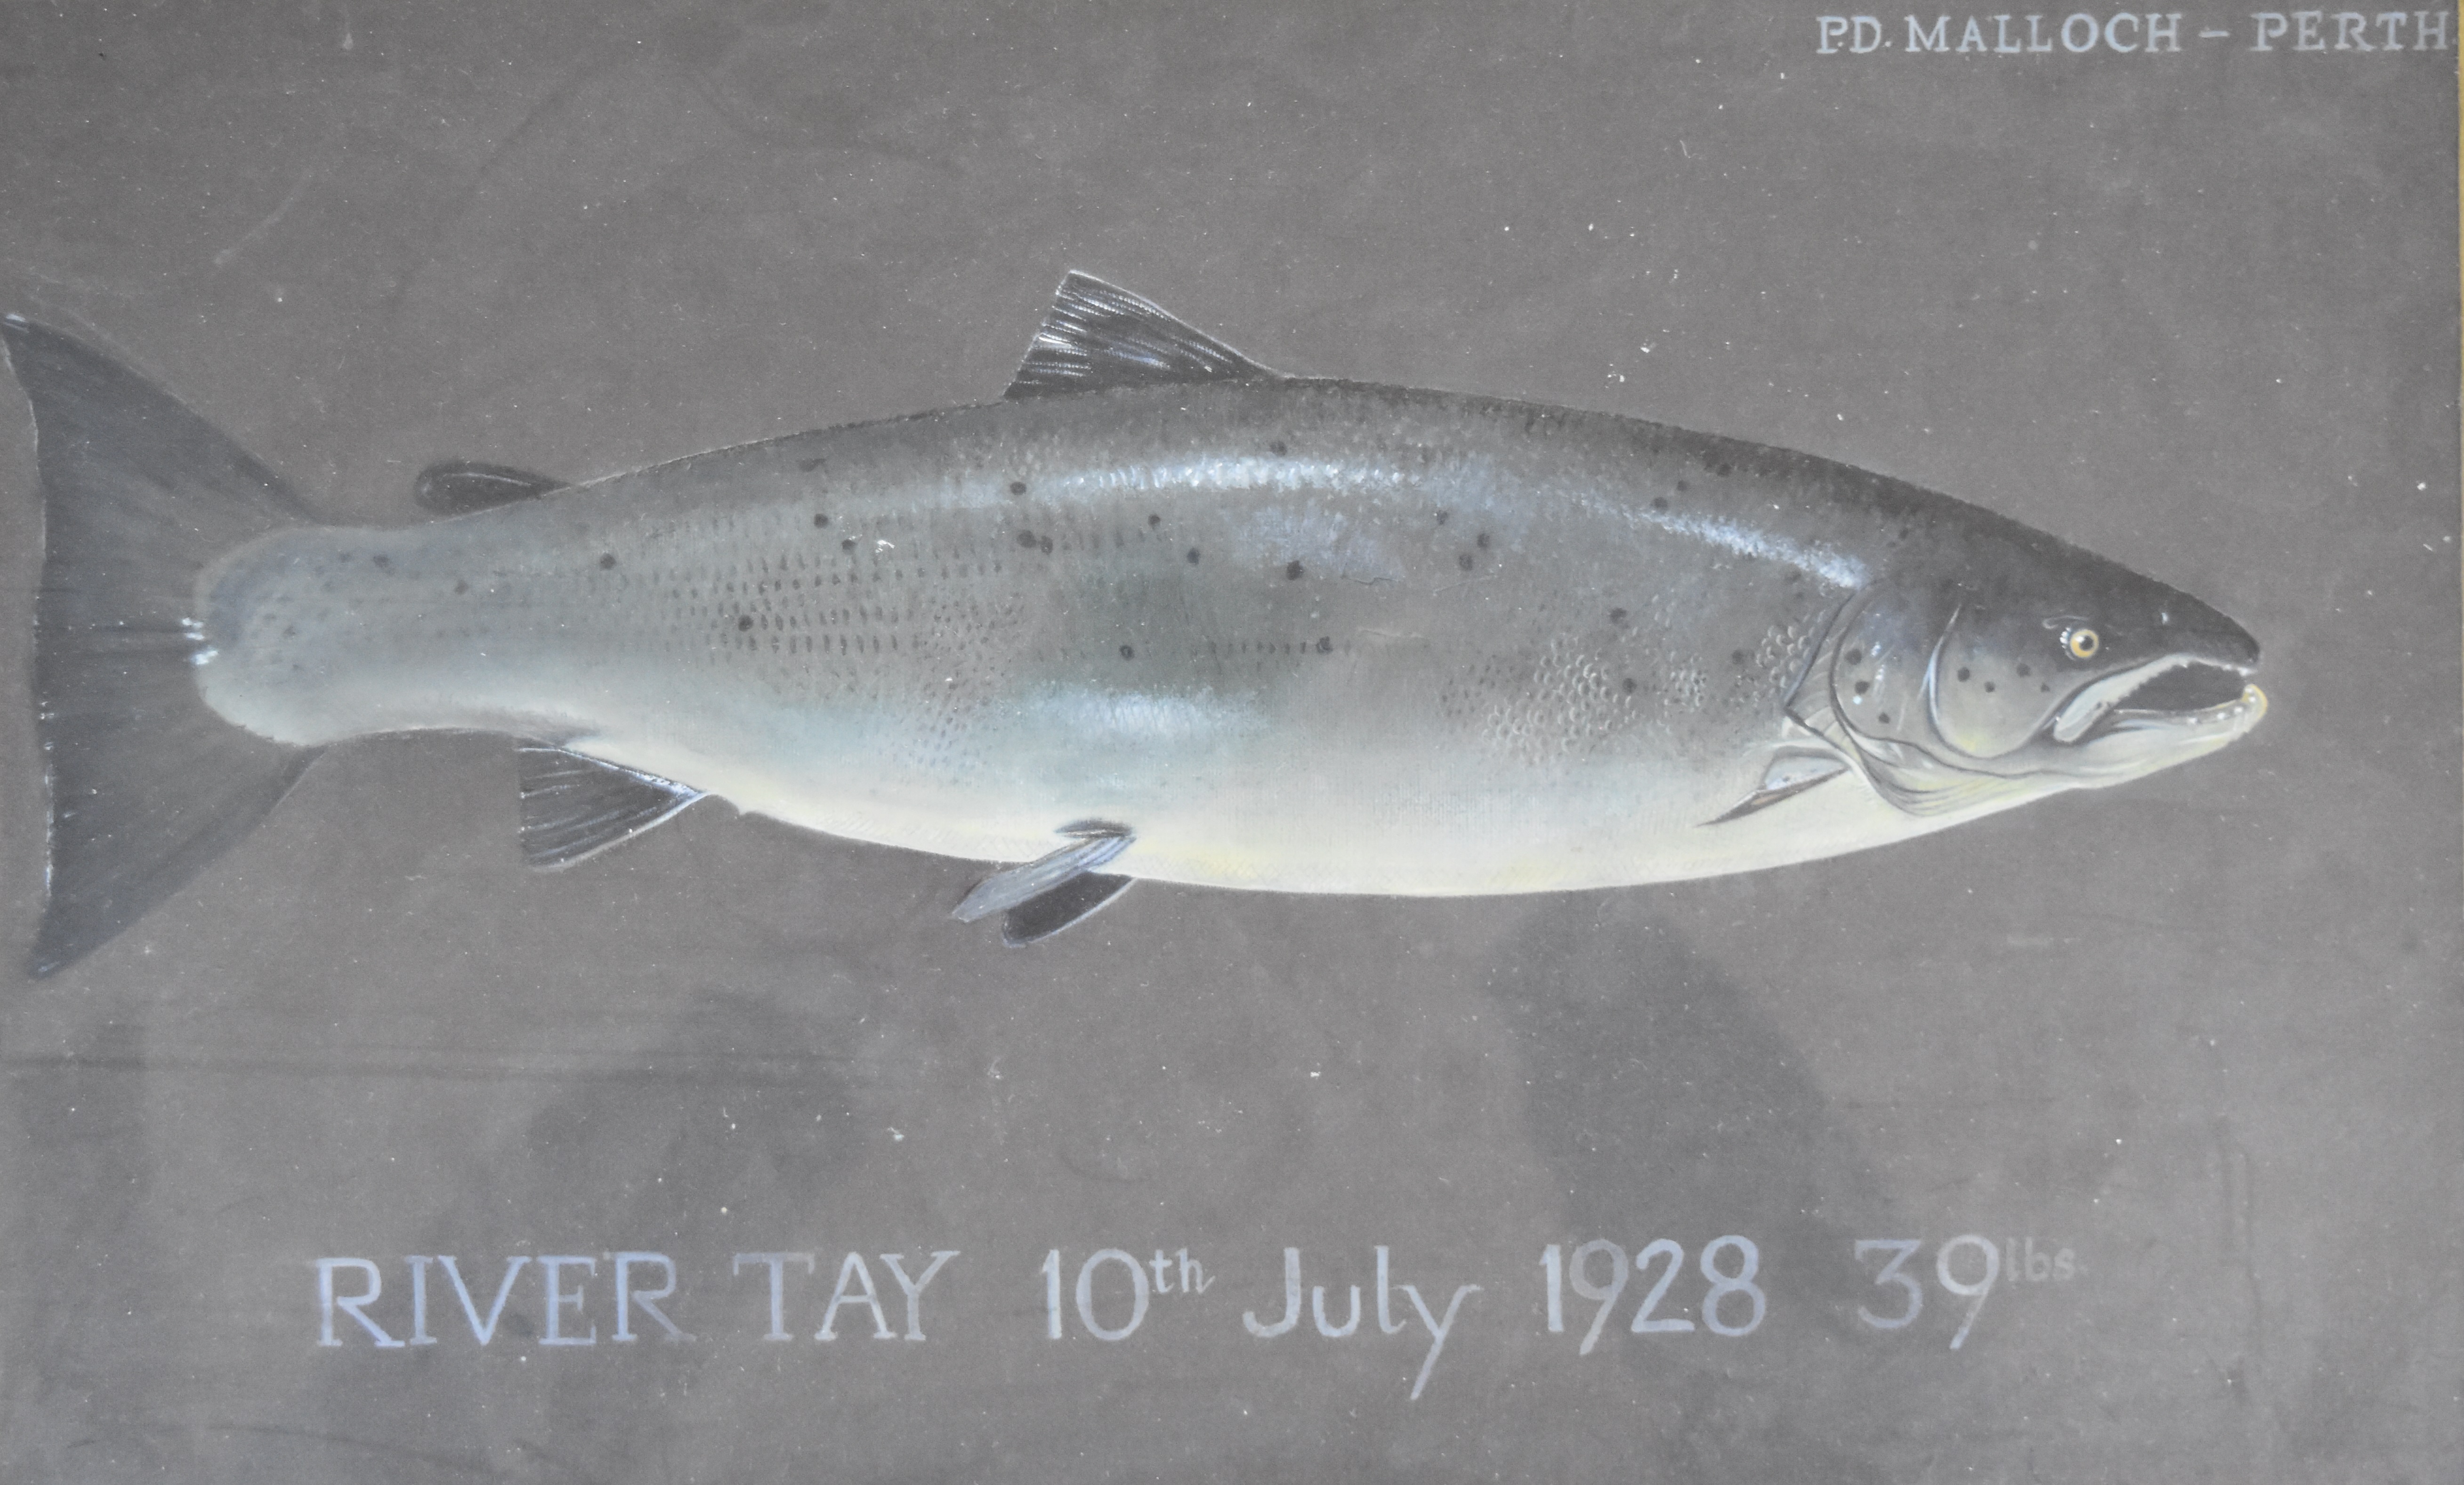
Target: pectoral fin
{"points": [[575, 807], [1092, 843], [1790, 774]]}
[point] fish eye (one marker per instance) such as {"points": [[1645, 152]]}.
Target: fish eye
{"points": [[2082, 643]]}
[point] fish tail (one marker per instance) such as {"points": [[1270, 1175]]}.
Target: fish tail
{"points": [[148, 782]]}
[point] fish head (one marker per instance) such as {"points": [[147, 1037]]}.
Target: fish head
{"points": [[2036, 667]]}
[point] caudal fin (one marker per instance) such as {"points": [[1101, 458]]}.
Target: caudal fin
{"points": [[148, 782]]}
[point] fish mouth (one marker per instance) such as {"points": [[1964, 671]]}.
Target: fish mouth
{"points": [[2175, 698]]}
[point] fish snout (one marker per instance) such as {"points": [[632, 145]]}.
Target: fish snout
{"points": [[2198, 632]]}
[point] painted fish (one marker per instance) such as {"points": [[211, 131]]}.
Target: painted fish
{"points": [[1160, 613]]}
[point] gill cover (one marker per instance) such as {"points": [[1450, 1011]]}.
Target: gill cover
{"points": [[2005, 674], [1869, 695]]}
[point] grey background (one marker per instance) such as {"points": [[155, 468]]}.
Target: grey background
{"points": [[2195, 312]]}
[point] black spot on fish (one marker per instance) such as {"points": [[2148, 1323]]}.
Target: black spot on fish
{"points": [[1481, 540], [1129, 653], [1463, 562], [1276, 448], [2045, 688], [1682, 487], [1616, 615], [606, 560], [1963, 672], [1193, 555], [744, 623], [383, 563], [1720, 470], [1795, 576], [1441, 516], [820, 520], [1865, 686], [847, 544], [461, 586], [1736, 657], [1855, 657], [1989, 685], [1026, 539], [1154, 521], [1661, 502], [1629, 685], [1044, 543], [1325, 645], [1884, 719], [1018, 487], [1291, 569], [808, 465], [2024, 670]]}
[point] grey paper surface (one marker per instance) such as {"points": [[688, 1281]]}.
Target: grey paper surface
{"points": [[2179, 1056]]}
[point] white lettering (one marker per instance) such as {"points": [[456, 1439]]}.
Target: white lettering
{"points": [[349, 1304], [1437, 1329], [1971, 39], [2037, 43], [553, 1266], [1193, 1275], [1742, 1282], [1137, 1292], [419, 1335], [627, 1296], [1249, 1320], [1386, 1320], [1831, 28], [853, 1267], [2393, 21], [1975, 1293], [1868, 35], [1937, 40], [1317, 1309], [2305, 31], [2113, 37], [2002, 41], [2077, 19], [481, 1333], [777, 1263], [1901, 1249], [1552, 1263], [1577, 1271], [2166, 29], [2270, 25], [914, 1289], [2351, 27], [1643, 1322], [2423, 30]]}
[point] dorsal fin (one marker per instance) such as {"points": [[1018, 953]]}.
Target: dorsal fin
{"points": [[1098, 335], [575, 807], [457, 487]]}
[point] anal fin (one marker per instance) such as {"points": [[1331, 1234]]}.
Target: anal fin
{"points": [[1092, 843], [1073, 901], [575, 807]]}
